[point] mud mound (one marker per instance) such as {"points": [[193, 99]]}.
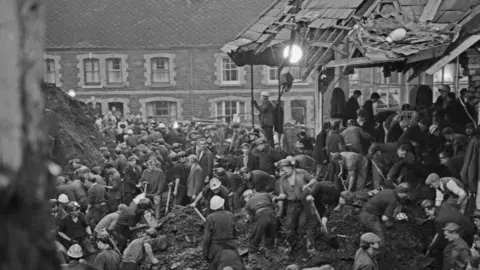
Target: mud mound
{"points": [[71, 129]]}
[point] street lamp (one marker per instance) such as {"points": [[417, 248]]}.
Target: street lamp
{"points": [[297, 53], [71, 93]]}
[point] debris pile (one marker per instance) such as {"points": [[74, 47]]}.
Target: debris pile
{"points": [[69, 125]]}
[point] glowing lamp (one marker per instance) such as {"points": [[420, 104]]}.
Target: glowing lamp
{"points": [[71, 93], [175, 125], [297, 53]]}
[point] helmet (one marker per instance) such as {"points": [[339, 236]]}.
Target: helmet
{"points": [[75, 251], [216, 202], [247, 193], [403, 187], [144, 204], [73, 206], [369, 238], [63, 198], [215, 183]]}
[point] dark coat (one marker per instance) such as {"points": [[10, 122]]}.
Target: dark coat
{"points": [[320, 153], [266, 113], [206, 162], [368, 106], [337, 103], [350, 111], [471, 166], [252, 162]]}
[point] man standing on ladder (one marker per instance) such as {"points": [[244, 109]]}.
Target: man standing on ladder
{"points": [[266, 116]]}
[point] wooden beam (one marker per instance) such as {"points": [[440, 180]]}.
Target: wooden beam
{"points": [[359, 61], [371, 8], [431, 53], [328, 45], [430, 10], [467, 43]]}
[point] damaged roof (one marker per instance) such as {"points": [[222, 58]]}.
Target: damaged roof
{"points": [[148, 24]]}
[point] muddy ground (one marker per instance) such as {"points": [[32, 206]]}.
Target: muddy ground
{"points": [[405, 242]]}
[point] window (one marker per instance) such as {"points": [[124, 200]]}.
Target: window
{"points": [[226, 109], [165, 111], [229, 71], [92, 71], [50, 71], [295, 71], [114, 71], [299, 111], [160, 70]]}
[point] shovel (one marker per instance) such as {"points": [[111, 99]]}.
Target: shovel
{"points": [[168, 198], [113, 244], [199, 214], [331, 240]]}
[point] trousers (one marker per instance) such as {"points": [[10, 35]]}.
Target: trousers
{"points": [[265, 225]]}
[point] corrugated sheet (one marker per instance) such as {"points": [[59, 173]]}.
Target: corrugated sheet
{"points": [[341, 4]]}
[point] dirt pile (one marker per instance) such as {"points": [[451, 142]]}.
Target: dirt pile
{"points": [[71, 130]]}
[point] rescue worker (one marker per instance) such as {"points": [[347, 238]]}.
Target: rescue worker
{"points": [[453, 165], [78, 188], [391, 163], [355, 138], [261, 213], [140, 249], [75, 253], [114, 187], [378, 211], [120, 161], [195, 178], [266, 156], [132, 175], [63, 188], [267, 118], [448, 189], [325, 197], [351, 107], [442, 215], [107, 223], [107, 160], [335, 142], [155, 180], [97, 207], [305, 162], [357, 167], [365, 257], [293, 182], [456, 254], [258, 180], [108, 258], [219, 233], [459, 142], [248, 159], [214, 188], [127, 221], [235, 183], [176, 174], [74, 228], [205, 159]]}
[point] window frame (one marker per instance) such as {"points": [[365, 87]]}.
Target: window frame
{"points": [[85, 72], [149, 71], [166, 69], [52, 72], [238, 109], [296, 81], [119, 70], [223, 70]]}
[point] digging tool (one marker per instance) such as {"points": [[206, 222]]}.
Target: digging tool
{"points": [[199, 214], [113, 244], [331, 240], [378, 169], [168, 198], [341, 179]]}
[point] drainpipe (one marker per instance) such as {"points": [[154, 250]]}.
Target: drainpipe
{"points": [[191, 83]]}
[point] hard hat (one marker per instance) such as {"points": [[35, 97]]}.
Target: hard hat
{"points": [[216, 202], [63, 198], [129, 132], [215, 183], [264, 94], [73, 205], [432, 178], [247, 193], [369, 238], [161, 125], [432, 129], [75, 251]]}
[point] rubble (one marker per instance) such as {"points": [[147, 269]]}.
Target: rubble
{"points": [[70, 127]]}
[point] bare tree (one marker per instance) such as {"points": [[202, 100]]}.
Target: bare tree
{"points": [[25, 182]]}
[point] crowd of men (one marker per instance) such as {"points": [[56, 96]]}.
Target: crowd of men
{"points": [[112, 211]]}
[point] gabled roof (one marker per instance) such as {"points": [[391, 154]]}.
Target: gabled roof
{"points": [[149, 24]]}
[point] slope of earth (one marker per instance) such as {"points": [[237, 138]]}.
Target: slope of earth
{"points": [[70, 129]]}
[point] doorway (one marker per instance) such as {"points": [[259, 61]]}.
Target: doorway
{"points": [[116, 108]]}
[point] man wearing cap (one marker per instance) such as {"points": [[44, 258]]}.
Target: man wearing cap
{"points": [[74, 228], [266, 156], [219, 233], [448, 189], [365, 257], [248, 159], [114, 187], [214, 188], [108, 258], [442, 215], [155, 180], [325, 197], [442, 99], [97, 207], [195, 179], [120, 161], [267, 118], [392, 163], [470, 130], [293, 184], [140, 249], [205, 159], [258, 180], [379, 209], [176, 174], [107, 160], [131, 140], [456, 254], [235, 183], [261, 212], [127, 220], [452, 165], [75, 253], [357, 167], [356, 138], [107, 223], [132, 175], [459, 142]]}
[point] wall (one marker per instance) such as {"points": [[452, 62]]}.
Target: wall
{"points": [[195, 88]]}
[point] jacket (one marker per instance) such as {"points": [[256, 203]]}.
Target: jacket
{"points": [[335, 142], [195, 180], [266, 113], [350, 111], [471, 167], [320, 152], [206, 162], [132, 175], [252, 162], [279, 118], [355, 138], [368, 106]]}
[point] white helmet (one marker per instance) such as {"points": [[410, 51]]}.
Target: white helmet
{"points": [[75, 251], [63, 198], [216, 202]]}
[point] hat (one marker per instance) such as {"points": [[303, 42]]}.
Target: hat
{"points": [[122, 207], [432, 129], [176, 145], [161, 125], [369, 238], [103, 149], [432, 178], [284, 163], [76, 160], [172, 155], [403, 187], [260, 141], [152, 232], [132, 158], [451, 227], [216, 202], [63, 198], [264, 94], [476, 214], [469, 125], [427, 204], [247, 193], [60, 180], [151, 162], [447, 131], [215, 183], [75, 251], [130, 132]]}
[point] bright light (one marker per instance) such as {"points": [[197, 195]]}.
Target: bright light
{"points": [[175, 125], [72, 93], [296, 53]]}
